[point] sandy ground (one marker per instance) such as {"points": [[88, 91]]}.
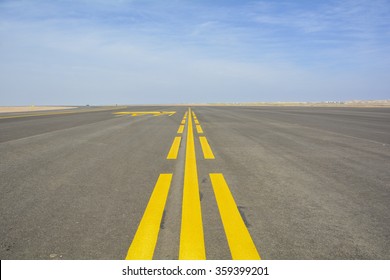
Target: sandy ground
{"points": [[18, 109]]}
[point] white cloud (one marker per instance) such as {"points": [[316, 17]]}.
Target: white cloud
{"points": [[140, 54]]}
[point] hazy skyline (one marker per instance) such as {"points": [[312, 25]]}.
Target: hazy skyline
{"points": [[136, 52]]}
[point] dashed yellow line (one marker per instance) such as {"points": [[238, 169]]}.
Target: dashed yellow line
{"points": [[181, 129], [192, 245], [240, 241], [183, 122], [174, 148], [207, 152], [145, 239], [199, 128]]}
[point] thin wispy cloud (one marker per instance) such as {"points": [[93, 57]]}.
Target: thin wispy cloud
{"points": [[104, 52]]}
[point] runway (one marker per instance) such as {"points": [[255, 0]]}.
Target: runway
{"points": [[200, 182]]}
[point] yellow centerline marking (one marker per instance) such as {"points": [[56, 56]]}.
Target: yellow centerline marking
{"points": [[183, 122], [192, 244], [154, 113], [191, 235], [199, 128], [181, 129], [207, 152], [145, 239], [240, 241], [174, 148]]}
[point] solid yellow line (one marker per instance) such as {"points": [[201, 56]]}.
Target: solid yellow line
{"points": [[199, 128], [140, 113], [174, 148], [145, 239], [239, 239], [181, 129], [191, 235], [207, 152]]}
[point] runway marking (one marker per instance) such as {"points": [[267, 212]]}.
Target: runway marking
{"points": [[207, 152], [192, 245], [240, 241], [174, 148], [154, 113], [145, 239], [181, 129], [199, 129], [184, 117]]}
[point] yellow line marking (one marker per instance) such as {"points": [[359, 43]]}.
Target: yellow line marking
{"points": [[145, 239], [185, 115], [181, 129], [191, 235], [196, 122], [174, 148], [156, 113], [199, 128], [240, 241], [59, 113], [183, 122], [207, 152]]}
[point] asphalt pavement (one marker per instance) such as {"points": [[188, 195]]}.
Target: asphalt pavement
{"points": [[211, 182]]}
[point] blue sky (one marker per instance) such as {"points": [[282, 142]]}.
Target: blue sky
{"points": [[145, 51]]}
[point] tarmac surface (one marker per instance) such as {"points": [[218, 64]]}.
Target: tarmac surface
{"points": [[283, 182]]}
